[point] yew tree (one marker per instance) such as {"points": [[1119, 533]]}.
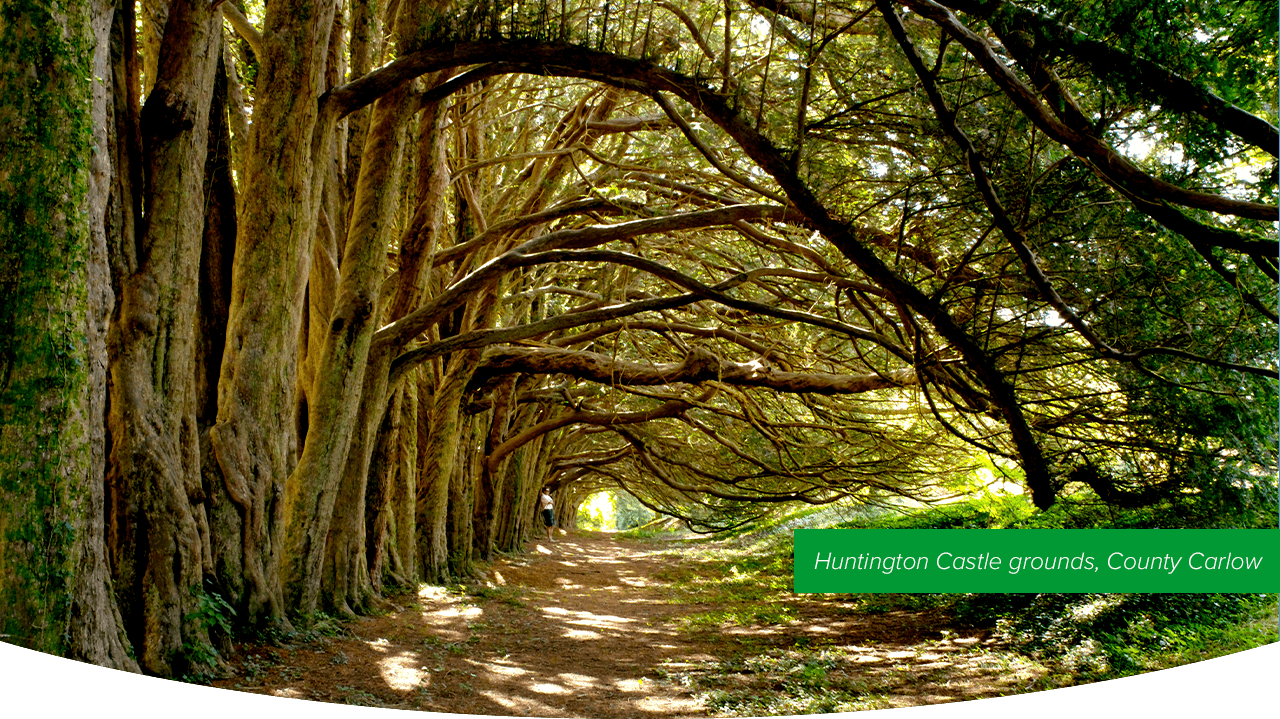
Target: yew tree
{"points": [[303, 301]]}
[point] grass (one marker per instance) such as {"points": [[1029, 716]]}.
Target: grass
{"points": [[739, 616], [460, 647], [507, 595], [652, 530], [885, 603], [745, 588], [718, 575]]}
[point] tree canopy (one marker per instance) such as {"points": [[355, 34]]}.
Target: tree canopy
{"points": [[379, 273]]}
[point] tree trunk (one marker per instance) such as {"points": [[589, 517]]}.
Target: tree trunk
{"points": [[96, 629], [437, 465], [404, 491], [382, 476], [255, 439], [417, 249], [517, 502], [462, 491], [314, 487], [155, 452], [490, 488], [347, 583], [226, 549], [55, 296]]}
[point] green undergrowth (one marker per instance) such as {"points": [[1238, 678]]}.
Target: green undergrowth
{"points": [[645, 532], [770, 664], [779, 682], [1081, 510], [318, 628], [743, 587], [512, 596], [1105, 636], [663, 527], [1089, 637], [744, 582]]}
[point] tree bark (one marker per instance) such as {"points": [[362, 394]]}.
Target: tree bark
{"points": [[96, 629], [492, 477], [55, 296], [316, 482], [404, 492], [225, 544], [382, 472], [462, 498], [514, 516], [698, 366], [255, 439], [437, 466], [155, 452]]}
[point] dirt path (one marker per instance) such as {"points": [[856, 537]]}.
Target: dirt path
{"points": [[591, 626]]}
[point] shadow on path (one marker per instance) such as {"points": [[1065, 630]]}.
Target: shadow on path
{"points": [[585, 626]]}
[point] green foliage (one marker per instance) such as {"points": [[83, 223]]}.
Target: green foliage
{"points": [[1095, 636], [319, 627], [359, 697], [212, 612], [505, 594], [629, 513], [1081, 510], [1101, 636], [982, 513], [648, 531], [612, 509], [1231, 46], [781, 682], [598, 512], [326, 625], [212, 617]]}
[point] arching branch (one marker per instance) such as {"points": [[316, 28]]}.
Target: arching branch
{"points": [[595, 333], [642, 454], [1011, 233], [401, 331], [670, 408], [544, 58], [243, 27], [1157, 82], [1086, 145], [698, 366]]}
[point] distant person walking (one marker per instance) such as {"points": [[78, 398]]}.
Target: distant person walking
{"points": [[547, 506]]}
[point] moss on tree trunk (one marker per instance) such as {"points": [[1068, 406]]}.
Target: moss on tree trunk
{"points": [[55, 295]]}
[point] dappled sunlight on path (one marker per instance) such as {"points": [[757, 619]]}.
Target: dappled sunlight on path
{"points": [[593, 626]]}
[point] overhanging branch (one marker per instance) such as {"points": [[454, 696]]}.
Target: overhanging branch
{"points": [[1158, 83], [1112, 164], [697, 367]]}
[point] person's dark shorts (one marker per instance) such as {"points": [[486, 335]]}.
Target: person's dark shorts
{"points": [[548, 518]]}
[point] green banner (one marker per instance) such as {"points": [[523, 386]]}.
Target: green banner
{"points": [[1037, 560]]}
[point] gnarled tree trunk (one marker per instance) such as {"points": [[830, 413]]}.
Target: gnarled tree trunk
{"points": [[152, 420], [255, 439], [55, 297]]}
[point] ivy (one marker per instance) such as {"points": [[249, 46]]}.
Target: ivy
{"points": [[46, 136]]}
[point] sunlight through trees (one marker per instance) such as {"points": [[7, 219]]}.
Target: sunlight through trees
{"points": [[300, 301]]}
